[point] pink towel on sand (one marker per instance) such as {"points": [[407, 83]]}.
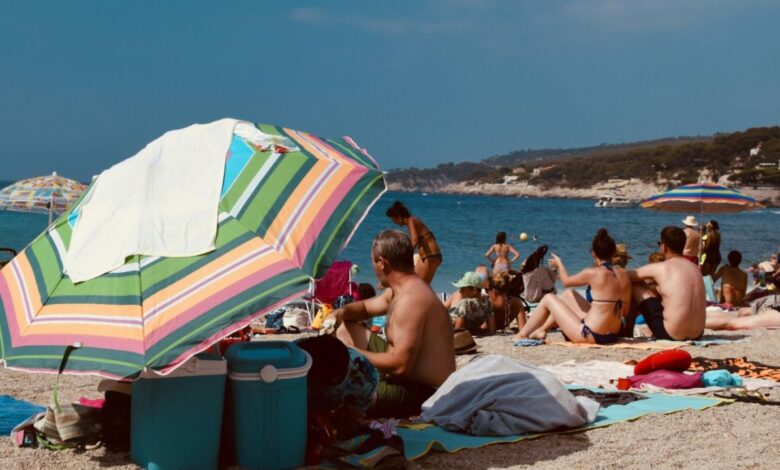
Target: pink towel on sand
{"points": [[667, 379]]}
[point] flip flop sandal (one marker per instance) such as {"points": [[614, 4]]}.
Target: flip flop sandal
{"points": [[746, 396], [371, 450]]}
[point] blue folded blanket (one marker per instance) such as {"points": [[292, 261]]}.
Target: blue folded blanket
{"points": [[13, 412]]}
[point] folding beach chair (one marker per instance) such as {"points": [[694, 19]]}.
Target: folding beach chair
{"points": [[336, 281], [709, 289]]}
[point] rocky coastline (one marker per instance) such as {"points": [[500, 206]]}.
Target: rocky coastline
{"points": [[633, 189]]}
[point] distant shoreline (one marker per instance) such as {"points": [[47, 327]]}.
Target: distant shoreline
{"points": [[633, 190]]}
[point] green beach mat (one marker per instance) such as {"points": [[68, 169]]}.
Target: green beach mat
{"points": [[417, 443]]}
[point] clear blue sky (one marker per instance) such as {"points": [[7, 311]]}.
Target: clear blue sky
{"points": [[85, 84]]}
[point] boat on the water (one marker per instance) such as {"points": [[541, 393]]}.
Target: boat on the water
{"points": [[614, 200]]}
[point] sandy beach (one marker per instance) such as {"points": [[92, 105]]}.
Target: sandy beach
{"points": [[737, 435]]}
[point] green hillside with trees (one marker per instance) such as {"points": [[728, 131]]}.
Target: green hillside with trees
{"points": [[675, 160]]}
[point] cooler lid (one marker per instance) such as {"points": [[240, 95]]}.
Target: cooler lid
{"points": [[253, 356], [200, 364]]}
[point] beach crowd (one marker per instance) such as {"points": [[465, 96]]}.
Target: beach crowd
{"points": [[667, 298]]}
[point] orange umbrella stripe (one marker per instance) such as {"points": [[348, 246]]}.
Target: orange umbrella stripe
{"points": [[169, 313], [84, 329], [205, 271]]}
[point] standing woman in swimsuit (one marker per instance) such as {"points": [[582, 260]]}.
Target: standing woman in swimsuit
{"points": [[422, 240], [594, 319], [501, 263]]}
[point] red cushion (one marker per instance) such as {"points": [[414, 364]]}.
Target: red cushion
{"points": [[674, 359]]}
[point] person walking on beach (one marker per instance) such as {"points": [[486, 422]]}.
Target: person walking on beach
{"points": [[675, 309], [711, 249], [595, 318], [422, 240], [501, 249], [419, 353], [692, 238]]}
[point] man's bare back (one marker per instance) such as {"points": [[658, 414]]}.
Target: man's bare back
{"points": [[414, 304], [681, 289]]}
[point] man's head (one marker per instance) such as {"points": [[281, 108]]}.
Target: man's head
{"points": [[392, 251], [735, 257], [672, 240]]}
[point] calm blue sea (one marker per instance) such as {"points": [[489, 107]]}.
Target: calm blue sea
{"points": [[466, 226]]}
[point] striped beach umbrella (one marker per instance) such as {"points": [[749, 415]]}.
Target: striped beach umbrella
{"points": [[701, 198], [285, 214], [51, 194]]}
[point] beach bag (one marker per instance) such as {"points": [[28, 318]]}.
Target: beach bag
{"points": [[538, 283], [68, 425]]}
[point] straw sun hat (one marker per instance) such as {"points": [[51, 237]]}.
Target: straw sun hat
{"points": [[690, 221], [464, 342]]}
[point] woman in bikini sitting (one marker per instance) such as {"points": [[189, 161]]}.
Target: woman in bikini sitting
{"points": [[594, 319], [422, 239], [501, 263]]}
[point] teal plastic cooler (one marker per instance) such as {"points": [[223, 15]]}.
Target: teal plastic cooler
{"points": [[268, 383], [175, 419]]}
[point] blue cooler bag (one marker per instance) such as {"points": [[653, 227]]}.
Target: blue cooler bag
{"points": [[175, 419], [268, 383]]}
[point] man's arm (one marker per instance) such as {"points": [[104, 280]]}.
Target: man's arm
{"points": [[363, 309], [408, 323], [648, 271]]}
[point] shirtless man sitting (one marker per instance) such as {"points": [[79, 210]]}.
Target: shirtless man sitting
{"points": [[675, 309], [418, 355]]}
